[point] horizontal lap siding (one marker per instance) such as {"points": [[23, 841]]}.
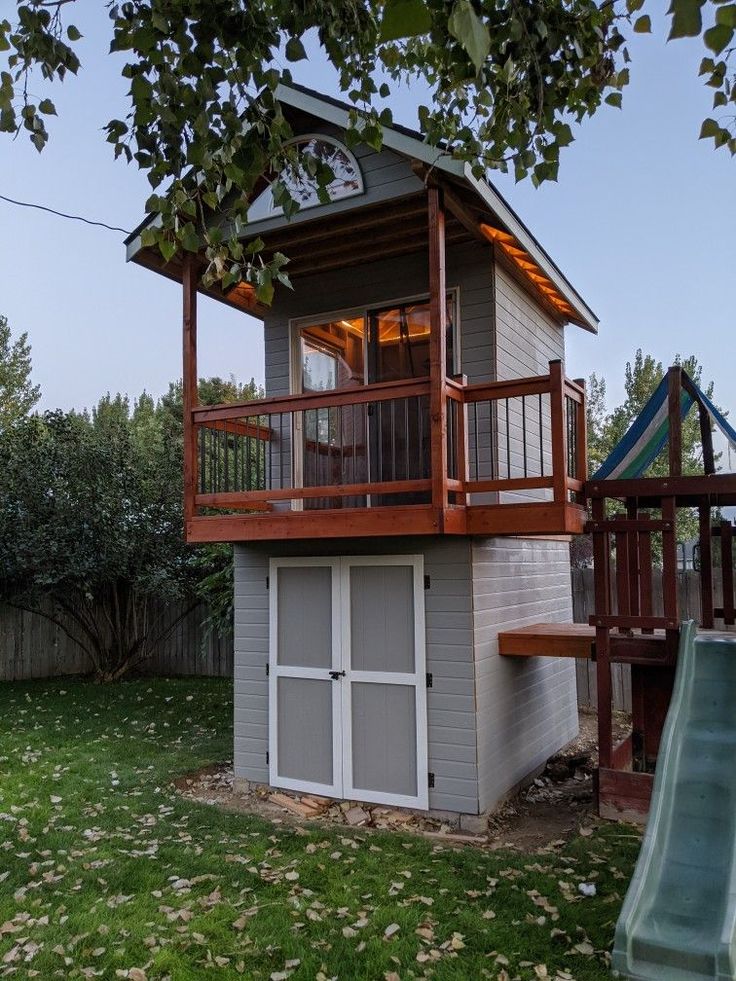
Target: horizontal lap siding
{"points": [[526, 708], [527, 339], [449, 625], [251, 657]]}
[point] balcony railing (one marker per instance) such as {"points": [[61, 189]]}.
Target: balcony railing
{"points": [[370, 447]]}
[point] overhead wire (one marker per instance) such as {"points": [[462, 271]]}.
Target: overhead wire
{"points": [[61, 214]]}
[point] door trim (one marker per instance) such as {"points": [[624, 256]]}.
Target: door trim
{"points": [[416, 679], [275, 671], [342, 787]]}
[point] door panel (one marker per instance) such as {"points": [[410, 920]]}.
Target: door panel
{"points": [[304, 699], [384, 739], [305, 634], [383, 642], [305, 734], [384, 695]]}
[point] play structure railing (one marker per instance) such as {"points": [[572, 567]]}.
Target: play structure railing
{"points": [[722, 563], [372, 446], [624, 548]]}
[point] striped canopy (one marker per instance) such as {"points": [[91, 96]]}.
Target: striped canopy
{"points": [[648, 434]]}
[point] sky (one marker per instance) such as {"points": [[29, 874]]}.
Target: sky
{"points": [[641, 221]]}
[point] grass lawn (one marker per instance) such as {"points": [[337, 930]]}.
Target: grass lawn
{"points": [[106, 872]]}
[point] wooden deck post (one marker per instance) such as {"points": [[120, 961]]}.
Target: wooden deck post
{"points": [[674, 393], [706, 568], [190, 396], [581, 430], [558, 432], [437, 352], [602, 571]]}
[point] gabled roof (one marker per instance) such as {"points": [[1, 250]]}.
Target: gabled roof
{"points": [[500, 223]]}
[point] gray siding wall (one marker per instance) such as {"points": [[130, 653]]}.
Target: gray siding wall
{"points": [[449, 624], [386, 175], [527, 708], [527, 339], [375, 283]]}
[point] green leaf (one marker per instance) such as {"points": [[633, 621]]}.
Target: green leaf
{"points": [[47, 107], [189, 238], [710, 128], [643, 24], [614, 99], [295, 50], [727, 15], [72, 33], [167, 249], [467, 27], [404, 18], [687, 19], [718, 37], [633, 5]]}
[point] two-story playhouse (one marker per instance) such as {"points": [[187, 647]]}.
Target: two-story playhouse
{"points": [[406, 488]]}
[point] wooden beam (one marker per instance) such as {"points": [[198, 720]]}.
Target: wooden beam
{"points": [[559, 431], [292, 525], [729, 615], [548, 640], [534, 518], [674, 394], [706, 432], [381, 391], [437, 351], [190, 395], [624, 796], [706, 568], [308, 233], [226, 499], [653, 489], [670, 598]]}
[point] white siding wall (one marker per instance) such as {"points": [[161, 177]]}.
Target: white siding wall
{"points": [[449, 624], [527, 708]]}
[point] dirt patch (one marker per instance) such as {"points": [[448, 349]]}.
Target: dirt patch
{"points": [[555, 806]]}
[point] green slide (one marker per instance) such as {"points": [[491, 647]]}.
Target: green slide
{"points": [[678, 921]]}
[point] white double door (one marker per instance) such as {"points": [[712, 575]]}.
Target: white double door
{"points": [[347, 678]]}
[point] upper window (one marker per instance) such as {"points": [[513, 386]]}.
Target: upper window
{"points": [[303, 186]]}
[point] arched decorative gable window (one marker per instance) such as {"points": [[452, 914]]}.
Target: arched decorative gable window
{"points": [[303, 187]]}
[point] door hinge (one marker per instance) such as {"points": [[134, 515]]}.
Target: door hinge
{"points": [[267, 760], [268, 669], [429, 679], [427, 582], [268, 584], [430, 779]]}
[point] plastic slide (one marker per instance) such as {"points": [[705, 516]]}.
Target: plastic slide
{"points": [[678, 921]]}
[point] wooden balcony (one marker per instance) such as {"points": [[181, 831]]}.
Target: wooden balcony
{"points": [[497, 458]]}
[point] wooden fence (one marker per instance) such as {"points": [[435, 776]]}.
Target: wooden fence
{"points": [[33, 647]]}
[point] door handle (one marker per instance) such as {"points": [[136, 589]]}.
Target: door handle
{"points": [[336, 675]]}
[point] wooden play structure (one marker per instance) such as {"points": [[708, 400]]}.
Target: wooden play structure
{"points": [[633, 524]]}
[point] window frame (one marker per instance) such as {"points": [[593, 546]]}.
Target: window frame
{"points": [[263, 207]]}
